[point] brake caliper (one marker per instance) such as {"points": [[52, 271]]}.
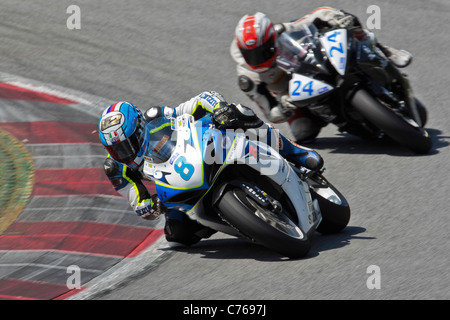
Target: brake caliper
{"points": [[262, 198]]}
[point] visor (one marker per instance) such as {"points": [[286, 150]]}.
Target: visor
{"points": [[127, 150], [162, 144], [260, 54]]}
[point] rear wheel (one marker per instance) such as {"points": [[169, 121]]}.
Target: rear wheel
{"points": [[276, 231], [402, 130], [422, 112]]}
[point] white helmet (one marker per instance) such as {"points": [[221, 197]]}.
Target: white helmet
{"points": [[256, 39]]}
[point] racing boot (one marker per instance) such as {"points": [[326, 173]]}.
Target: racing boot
{"points": [[291, 151], [299, 155], [400, 58]]}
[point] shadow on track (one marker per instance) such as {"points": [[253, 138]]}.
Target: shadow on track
{"points": [[322, 243], [349, 144], [234, 248]]}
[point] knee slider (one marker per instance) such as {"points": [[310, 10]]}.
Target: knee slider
{"points": [[177, 231], [245, 83]]}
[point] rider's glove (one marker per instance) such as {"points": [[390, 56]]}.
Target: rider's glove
{"points": [[345, 20], [151, 209], [287, 107], [224, 116], [235, 116], [341, 22]]}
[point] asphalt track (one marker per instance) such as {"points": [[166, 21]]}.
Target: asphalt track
{"points": [[164, 52]]}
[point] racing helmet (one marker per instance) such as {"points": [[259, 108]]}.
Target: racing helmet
{"points": [[256, 39], [129, 136], [123, 134]]}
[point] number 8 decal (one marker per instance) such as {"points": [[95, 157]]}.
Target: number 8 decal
{"points": [[184, 169]]}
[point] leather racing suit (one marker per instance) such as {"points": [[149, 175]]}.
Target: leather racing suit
{"points": [[179, 228], [269, 89]]}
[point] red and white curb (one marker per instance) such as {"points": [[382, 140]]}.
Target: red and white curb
{"points": [[73, 217]]}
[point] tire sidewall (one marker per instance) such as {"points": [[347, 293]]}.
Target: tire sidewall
{"points": [[235, 209]]}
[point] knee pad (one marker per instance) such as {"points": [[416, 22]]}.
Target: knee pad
{"points": [[304, 129], [181, 229]]}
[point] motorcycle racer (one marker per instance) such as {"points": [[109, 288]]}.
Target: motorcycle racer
{"points": [[131, 136], [254, 49]]}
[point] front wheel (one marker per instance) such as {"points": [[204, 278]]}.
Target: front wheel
{"points": [[333, 205], [275, 231], [423, 114], [398, 128]]}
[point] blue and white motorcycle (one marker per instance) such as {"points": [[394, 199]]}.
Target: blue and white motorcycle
{"points": [[244, 188], [352, 84]]}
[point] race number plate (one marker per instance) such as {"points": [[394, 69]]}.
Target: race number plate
{"points": [[335, 44], [303, 88]]}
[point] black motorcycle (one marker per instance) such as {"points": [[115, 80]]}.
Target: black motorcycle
{"points": [[353, 85]]}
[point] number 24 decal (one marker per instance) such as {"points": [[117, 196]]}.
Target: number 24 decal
{"points": [[332, 38], [306, 88]]}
